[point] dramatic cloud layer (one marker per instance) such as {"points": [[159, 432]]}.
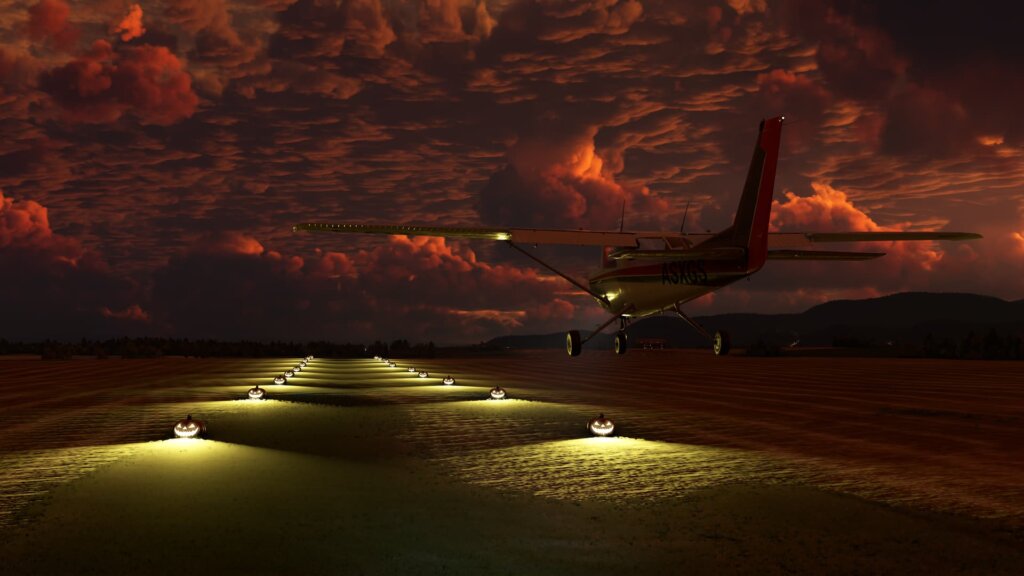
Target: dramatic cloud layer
{"points": [[156, 154]]}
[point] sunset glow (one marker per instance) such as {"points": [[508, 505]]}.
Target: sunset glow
{"points": [[157, 154]]}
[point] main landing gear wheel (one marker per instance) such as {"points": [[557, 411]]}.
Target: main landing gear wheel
{"points": [[722, 343], [573, 344], [621, 342]]}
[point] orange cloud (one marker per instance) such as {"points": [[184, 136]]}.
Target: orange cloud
{"points": [[558, 179], [829, 209], [131, 25], [48, 21], [507, 319], [133, 312], [25, 225], [230, 243], [748, 6], [574, 21], [103, 84]]}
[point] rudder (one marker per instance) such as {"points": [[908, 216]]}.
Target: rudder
{"points": [[750, 228]]}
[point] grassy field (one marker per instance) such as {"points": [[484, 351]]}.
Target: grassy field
{"points": [[734, 464]]}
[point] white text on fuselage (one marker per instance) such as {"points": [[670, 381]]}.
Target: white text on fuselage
{"points": [[684, 272]]}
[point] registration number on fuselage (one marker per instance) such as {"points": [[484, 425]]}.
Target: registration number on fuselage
{"points": [[684, 272]]}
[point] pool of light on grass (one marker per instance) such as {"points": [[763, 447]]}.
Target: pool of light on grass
{"points": [[614, 468]]}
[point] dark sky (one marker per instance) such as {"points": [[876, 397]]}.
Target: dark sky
{"points": [[155, 155]]}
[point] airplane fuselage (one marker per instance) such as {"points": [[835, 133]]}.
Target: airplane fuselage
{"points": [[643, 288]]}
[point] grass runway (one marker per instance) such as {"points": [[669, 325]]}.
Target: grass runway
{"points": [[736, 465]]}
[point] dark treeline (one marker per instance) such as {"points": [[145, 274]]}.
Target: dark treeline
{"points": [[994, 345], [157, 347]]}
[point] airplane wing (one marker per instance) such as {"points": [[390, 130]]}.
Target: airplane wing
{"points": [[793, 242], [821, 255], [518, 235]]}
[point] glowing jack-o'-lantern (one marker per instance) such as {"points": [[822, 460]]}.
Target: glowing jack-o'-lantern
{"points": [[601, 426], [376, 358], [392, 364], [497, 393], [448, 380], [280, 380], [302, 364], [189, 428], [289, 374], [297, 368], [424, 374], [308, 358], [256, 393], [410, 370]]}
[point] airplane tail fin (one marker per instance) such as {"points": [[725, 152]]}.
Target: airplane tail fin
{"points": [[750, 228]]}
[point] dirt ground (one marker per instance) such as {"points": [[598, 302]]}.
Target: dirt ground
{"points": [[720, 465]]}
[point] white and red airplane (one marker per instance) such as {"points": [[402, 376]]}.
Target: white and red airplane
{"points": [[646, 273]]}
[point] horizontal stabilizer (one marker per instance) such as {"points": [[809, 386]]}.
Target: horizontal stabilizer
{"points": [[800, 240], [821, 255], [722, 253], [888, 236]]}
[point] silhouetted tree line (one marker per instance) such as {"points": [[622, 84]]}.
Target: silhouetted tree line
{"points": [[993, 346], [157, 347], [402, 349]]}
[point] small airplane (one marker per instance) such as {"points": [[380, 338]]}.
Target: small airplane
{"points": [[647, 273]]}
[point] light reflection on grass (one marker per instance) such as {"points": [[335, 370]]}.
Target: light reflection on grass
{"points": [[614, 468]]}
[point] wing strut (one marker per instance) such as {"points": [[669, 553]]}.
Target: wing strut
{"points": [[569, 279], [600, 328], [696, 325]]}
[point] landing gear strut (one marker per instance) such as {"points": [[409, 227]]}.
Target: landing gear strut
{"points": [[721, 342], [574, 345]]}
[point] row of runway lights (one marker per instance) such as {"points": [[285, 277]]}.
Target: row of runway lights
{"points": [[189, 428]]}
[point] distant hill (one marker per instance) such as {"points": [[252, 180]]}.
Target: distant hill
{"points": [[904, 317]]}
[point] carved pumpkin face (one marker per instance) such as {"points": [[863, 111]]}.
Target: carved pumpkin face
{"points": [[424, 374], [188, 428], [256, 393], [392, 364], [448, 380], [280, 380], [497, 393], [410, 369], [601, 426], [297, 369], [289, 374]]}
